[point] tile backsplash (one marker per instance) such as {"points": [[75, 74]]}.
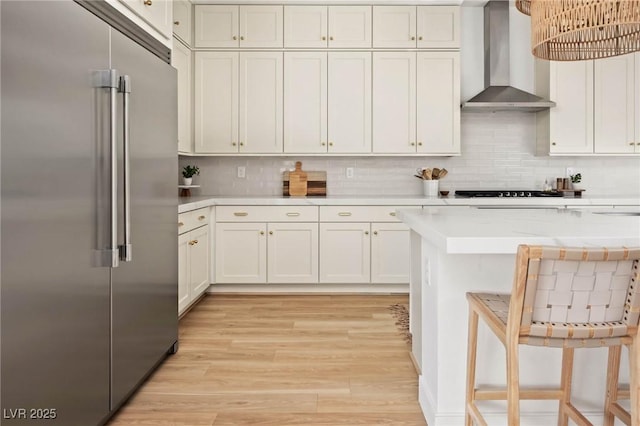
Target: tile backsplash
{"points": [[498, 151]]}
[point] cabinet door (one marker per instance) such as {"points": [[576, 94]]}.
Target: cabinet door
{"points": [[261, 102], [156, 13], [293, 253], [199, 261], [394, 102], [305, 102], [345, 252], [241, 253], [349, 100], [216, 26], [183, 271], [614, 109], [182, 20], [350, 26], [305, 26], [261, 26], [438, 102], [438, 27], [636, 90], [216, 102], [390, 253], [571, 120], [394, 26], [181, 60]]}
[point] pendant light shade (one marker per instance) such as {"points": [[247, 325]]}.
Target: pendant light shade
{"points": [[524, 6], [574, 30]]}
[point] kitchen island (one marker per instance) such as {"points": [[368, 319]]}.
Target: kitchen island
{"points": [[456, 250]]}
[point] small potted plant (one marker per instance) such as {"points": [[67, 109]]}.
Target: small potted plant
{"points": [[188, 172], [575, 180]]}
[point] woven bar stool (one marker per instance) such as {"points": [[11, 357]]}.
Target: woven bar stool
{"points": [[565, 298]]}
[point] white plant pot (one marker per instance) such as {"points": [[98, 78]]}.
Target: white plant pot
{"points": [[431, 188], [187, 181]]}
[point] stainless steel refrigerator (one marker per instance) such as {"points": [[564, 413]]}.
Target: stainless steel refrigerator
{"points": [[88, 281]]}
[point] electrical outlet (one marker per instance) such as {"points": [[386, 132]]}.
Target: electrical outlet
{"points": [[242, 172], [569, 171], [349, 172]]}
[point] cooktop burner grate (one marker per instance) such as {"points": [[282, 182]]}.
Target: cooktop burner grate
{"points": [[520, 193]]}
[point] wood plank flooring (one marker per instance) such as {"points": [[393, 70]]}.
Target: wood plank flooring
{"points": [[283, 360]]}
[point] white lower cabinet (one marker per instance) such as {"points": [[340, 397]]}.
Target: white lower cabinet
{"points": [[345, 254], [241, 253], [292, 253], [390, 253], [193, 256]]}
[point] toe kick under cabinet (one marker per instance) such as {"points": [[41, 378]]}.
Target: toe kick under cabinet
{"points": [[310, 244]]}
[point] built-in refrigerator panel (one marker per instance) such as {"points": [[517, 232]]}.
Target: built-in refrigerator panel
{"points": [[144, 306], [54, 290]]}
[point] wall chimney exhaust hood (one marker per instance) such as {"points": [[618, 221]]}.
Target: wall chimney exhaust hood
{"points": [[498, 95]]}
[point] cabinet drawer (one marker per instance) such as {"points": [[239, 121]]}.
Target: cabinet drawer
{"points": [[193, 219], [266, 214], [359, 213]]}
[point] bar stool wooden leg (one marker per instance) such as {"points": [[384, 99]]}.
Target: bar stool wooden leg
{"points": [[613, 370], [472, 346], [565, 385], [513, 382], [634, 364]]}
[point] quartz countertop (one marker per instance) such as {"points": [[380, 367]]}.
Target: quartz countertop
{"points": [[500, 231], [193, 203]]}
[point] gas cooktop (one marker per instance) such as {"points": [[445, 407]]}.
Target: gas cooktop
{"points": [[507, 194]]}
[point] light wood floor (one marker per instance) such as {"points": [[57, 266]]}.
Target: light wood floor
{"points": [[283, 360]]}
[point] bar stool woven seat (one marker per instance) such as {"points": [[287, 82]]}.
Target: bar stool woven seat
{"points": [[565, 298]]}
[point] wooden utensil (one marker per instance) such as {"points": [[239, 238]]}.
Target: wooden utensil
{"points": [[435, 173], [298, 181], [426, 174], [443, 173]]}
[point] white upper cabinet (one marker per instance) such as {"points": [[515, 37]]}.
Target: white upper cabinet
{"points": [[394, 102], [596, 107], [181, 60], [438, 102], [182, 15], [432, 27], [305, 102], [394, 26], [221, 26], [349, 102], [153, 16], [327, 26]]}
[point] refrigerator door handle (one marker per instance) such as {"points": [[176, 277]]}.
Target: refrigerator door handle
{"points": [[125, 89], [108, 79]]}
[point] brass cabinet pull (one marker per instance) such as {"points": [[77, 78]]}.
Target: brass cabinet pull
{"points": [[553, 143], [270, 232], [176, 22], [413, 37], [195, 242], [344, 214], [323, 143], [413, 144], [240, 214], [202, 217], [233, 143], [419, 143], [638, 143], [330, 38], [261, 232], [293, 214], [324, 38], [366, 232], [241, 37], [392, 213], [148, 2], [330, 143], [191, 243], [235, 38], [180, 223], [420, 38], [241, 143], [375, 232]]}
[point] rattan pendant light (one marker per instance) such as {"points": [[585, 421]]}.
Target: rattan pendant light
{"points": [[575, 30]]}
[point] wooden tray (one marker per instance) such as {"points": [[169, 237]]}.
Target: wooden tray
{"points": [[571, 192]]}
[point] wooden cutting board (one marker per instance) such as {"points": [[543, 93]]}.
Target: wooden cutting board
{"points": [[316, 184], [298, 181]]}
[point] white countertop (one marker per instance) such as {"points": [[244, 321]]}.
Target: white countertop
{"points": [[500, 231], [192, 203]]}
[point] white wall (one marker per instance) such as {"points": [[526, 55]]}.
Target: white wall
{"points": [[497, 152]]}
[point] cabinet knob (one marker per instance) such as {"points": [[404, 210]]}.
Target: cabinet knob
{"points": [[323, 143], [261, 232], [233, 143], [413, 144], [148, 2], [638, 143], [330, 38], [241, 143], [330, 143], [392, 213], [553, 143], [176, 22], [195, 242], [632, 143], [413, 38], [324, 38], [201, 217], [366, 232], [419, 143], [420, 38], [180, 224], [270, 232], [235, 38], [241, 37], [191, 243], [375, 232]]}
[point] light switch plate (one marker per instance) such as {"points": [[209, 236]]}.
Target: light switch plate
{"points": [[242, 172], [349, 172]]}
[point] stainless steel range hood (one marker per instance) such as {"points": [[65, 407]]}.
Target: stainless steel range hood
{"points": [[498, 95]]}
